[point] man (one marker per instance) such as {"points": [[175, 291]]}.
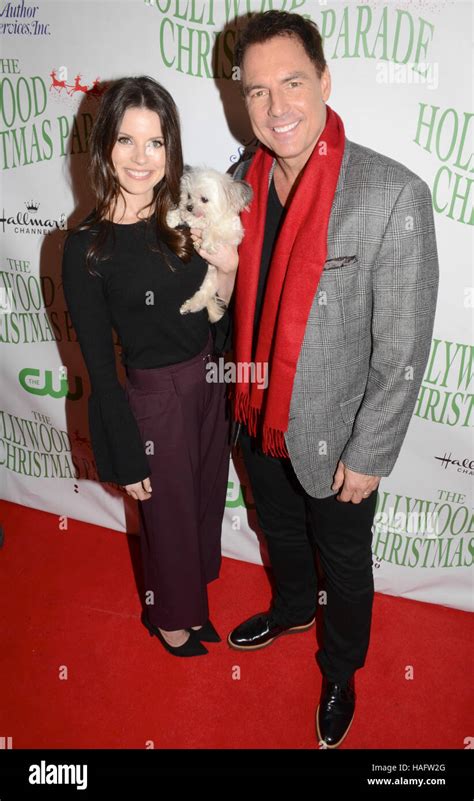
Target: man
{"points": [[336, 292]]}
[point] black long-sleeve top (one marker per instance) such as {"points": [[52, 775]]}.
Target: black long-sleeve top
{"points": [[273, 222], [139, 296]]}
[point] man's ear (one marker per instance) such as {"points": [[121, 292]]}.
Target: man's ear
{"points": [[326, 84]]}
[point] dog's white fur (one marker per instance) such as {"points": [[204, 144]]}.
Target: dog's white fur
{"points": [[211, 201]]}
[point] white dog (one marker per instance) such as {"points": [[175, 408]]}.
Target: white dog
{"points": [[211, 201]]}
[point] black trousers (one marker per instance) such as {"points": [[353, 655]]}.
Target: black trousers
{"points": [[296, 527]]}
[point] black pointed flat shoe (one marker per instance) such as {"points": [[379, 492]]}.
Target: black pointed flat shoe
{"points": [[207, 633], [192, 646]]}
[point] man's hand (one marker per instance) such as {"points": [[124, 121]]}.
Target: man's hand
{"points": [[355, 486], [137, 492]]}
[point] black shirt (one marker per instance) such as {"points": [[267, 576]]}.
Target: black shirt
{"points": [[139, 296], [273, 222]]}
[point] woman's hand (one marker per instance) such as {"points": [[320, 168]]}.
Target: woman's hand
{"points": [[137, 492]]}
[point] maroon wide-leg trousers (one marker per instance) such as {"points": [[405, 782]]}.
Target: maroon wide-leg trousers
{"points": [[184, 423]]}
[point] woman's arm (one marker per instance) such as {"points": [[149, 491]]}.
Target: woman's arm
{"points": [[115, 437]]}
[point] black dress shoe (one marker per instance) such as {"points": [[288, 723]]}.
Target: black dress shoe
{"points": [[260, 630], [335, 712]]}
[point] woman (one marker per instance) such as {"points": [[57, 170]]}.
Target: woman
{"points": [[164, 437]]}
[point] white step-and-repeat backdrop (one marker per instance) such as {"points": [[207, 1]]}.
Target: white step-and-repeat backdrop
{"points": [[402, 82]]}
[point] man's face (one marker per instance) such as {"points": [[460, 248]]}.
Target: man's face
{"points": [[285, 98]]}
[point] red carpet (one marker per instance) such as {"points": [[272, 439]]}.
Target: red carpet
{"points": [[70, 608]]}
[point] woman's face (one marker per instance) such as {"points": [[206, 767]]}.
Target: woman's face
{"points": [[139, 154]]}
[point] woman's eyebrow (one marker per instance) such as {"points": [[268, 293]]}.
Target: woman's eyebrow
{"points": [[124, 133]]}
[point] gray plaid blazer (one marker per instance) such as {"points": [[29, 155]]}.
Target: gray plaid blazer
{"points": [[368, 335]]}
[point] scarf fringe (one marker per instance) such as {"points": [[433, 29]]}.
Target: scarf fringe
{"points": [[252, 422], [241, 406], [245, 413], [273, 442]]}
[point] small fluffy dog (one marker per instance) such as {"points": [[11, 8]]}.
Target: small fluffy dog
{"points": [[212, 201]]}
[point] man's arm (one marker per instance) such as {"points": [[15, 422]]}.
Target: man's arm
{"points": [[405, 288]]}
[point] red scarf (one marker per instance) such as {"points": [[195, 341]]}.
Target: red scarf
{"points": [[295, 269]]}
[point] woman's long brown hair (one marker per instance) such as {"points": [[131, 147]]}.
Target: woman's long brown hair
{"points": [[125, 93]]}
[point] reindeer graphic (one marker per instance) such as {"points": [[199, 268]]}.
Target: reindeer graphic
{"points": [[55, 84], [76, 86], [96, 90]]}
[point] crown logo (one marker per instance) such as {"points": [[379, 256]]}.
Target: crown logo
{"points": [[31, 205]]}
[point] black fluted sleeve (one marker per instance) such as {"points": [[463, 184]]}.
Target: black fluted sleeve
{"points": [[118, 449]]}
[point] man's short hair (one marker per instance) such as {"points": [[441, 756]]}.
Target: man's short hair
{"points": [[266, 25]]}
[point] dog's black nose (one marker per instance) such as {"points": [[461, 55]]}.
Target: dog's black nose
{"points": [[189, 207]]}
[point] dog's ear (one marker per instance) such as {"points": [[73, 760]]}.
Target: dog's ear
{"points": [[186, 176], [240, 194]]}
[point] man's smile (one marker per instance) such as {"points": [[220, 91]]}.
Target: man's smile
{"points": [[283, 129]]}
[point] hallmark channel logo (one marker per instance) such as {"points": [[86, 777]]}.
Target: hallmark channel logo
{"points": [[462, 466], [31, 221]]}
